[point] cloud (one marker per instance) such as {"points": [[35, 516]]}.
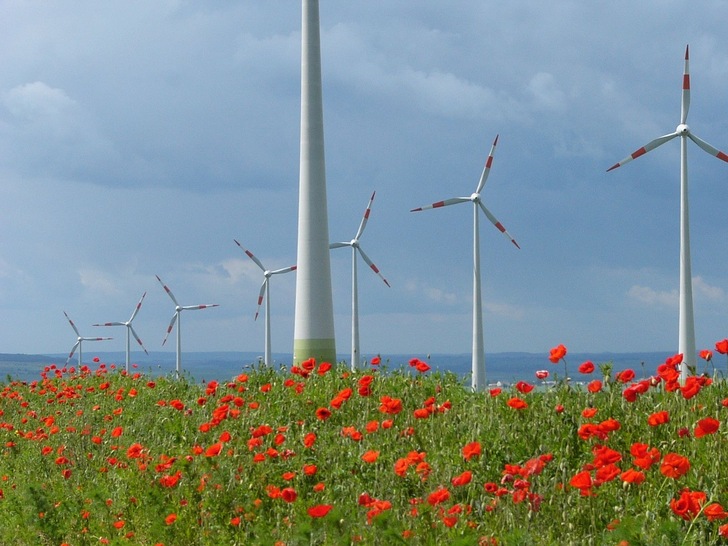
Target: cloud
{"points": [[431, 293], [505, 310], [649, 296], [712, 293]]}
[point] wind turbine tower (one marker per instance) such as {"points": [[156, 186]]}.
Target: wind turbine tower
{"points": [[313, 334]]}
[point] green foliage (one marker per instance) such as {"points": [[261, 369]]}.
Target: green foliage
{"points": [[101, 456]]}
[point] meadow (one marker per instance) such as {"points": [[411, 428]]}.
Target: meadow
{"points": [[317, 454]]}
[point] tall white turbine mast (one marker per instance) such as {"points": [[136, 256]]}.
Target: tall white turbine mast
{"points": [[129, 330], [313, 334], [79, 342], [686, 322], [265, 291], [356, 247], [478, 366], [177, 318]]}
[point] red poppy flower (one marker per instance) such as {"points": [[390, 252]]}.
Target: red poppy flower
{"points": [[557, 353], [586, 367], [390, 405], [214, 450], [319, 510], [170, 519], [706, 426], [715, 512], [370, 456], [633, 476], [625, 376], [542, 374], [658, 418], [289, 494], [323, 413], [376, 361], [517, 403], [674, 465], [722, 346], [462, 479], [706, 355], [524, 387], [471, 450], [437, 497], [594, 386]]}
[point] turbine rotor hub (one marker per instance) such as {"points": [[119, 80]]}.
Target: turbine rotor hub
{"points": [[682, 129]]}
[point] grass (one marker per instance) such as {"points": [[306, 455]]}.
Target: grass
{"points": [[314, 455]]}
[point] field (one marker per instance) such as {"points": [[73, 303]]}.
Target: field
{"points": [[319, 455]]}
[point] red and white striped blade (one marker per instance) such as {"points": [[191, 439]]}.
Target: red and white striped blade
{"points": [[685, 106], [497, 224], [73, 350], [72, 325], [168, 291], [96, 338], [364, 220], [250, 255], [139, 341], [138, 306], [198, 307], [646, 148], [486, 169], [111, 324], [284, 270], [371, 265], [169, 328], [708, 148], [263, 288], [445, 203]]}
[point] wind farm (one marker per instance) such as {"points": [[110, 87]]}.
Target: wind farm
{"points": [[394, 120]]}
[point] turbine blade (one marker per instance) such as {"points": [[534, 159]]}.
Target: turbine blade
{"points": [[497, 224], [111, 324], [78, 334], [198, 307], [708, 148], [444, 203], [96, 338], [339, 245], [364, 220], [169, 328], [263, 288], [73, 350], [250, 255], [646, 148], [486, 169], [138, 306], [139, 341], [371, 265], [685, 106], [284, 270], [168, 291]]}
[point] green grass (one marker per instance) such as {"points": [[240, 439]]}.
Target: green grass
{"points": [[102, 457]]}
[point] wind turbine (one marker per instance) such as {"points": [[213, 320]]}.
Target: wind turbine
{"points": [[478, 366], [177, 318], [265, 290], [79, 340], [355, 247], [686, 322], [129, 329]]}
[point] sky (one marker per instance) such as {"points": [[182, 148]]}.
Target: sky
{"points": [[140, 138]]}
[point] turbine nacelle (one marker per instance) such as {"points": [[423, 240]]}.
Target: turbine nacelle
{"points": [[475, 197], [682, 130]]}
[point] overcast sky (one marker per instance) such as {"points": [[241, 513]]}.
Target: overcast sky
{"points": [[140, 138]]}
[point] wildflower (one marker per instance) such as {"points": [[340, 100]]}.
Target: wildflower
{"points": [[625, 376], [289, 494], [633, 476], [495, 391], [706, 426], [594, 386], [438, 496], [542, 374], [583, 482], [462, 479], [674, 465], [557, 353], [689, 504], [706, 355], [722, 346], [658, 418], [517, 403], [586, 367], [471, 450], [170, 519], [390, 405], [323, 413], [524, 387], [214, 450], [715, 511], [370, 456], [319, 510]]}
